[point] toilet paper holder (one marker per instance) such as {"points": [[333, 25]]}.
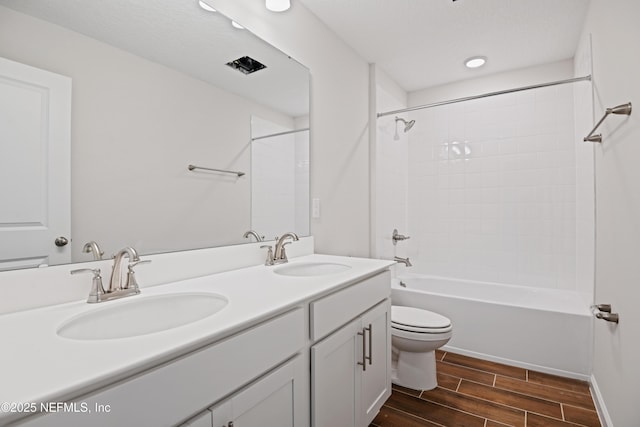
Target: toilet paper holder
{"points": [[603, 311]]}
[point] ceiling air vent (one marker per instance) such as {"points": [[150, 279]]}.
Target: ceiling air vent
{"points": [[246, 65]]}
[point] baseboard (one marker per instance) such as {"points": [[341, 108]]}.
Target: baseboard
{"points": [[524, 365], [605, 418]]}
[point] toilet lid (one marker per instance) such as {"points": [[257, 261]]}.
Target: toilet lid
{"points": [[416, 318]]}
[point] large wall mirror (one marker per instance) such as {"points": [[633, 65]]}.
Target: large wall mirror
{"points": [[155, 86]]}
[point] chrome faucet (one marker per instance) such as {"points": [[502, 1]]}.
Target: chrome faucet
{"points": [[93, 248], [116, 289], [115, 284], [280, 256], [254, 234], [404, 261]]}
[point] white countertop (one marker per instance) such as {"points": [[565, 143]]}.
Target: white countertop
{"points": [[39, 366]]}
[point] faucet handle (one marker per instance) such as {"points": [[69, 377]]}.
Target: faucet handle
{"points": [[270, 260], [131, 282], [97, 290]]}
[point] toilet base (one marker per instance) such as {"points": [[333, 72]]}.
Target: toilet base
{"points": [[415, 370]]}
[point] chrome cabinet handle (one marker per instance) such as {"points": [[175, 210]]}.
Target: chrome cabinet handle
{"points": [[370, 357], [364, 352]]}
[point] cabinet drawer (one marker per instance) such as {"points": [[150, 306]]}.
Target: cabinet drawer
{"points": [[171, 393], [329, 313]]}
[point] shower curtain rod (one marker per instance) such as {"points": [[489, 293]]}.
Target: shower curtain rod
{"points": [[279, 134], [485, 95]]}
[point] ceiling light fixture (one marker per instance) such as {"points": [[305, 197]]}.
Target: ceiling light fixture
{"points": [[206, 6], [236, 25], [475, 62], [278, 5]]}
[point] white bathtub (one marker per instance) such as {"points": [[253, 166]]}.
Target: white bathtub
{"points": [[541, 329]]}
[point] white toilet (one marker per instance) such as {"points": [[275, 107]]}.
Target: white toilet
{"points": [[415, 336]]}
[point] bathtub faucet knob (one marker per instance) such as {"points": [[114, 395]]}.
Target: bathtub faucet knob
{"points": [[396, 237]]}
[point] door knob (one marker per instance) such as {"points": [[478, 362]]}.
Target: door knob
{"points": [[61, 241]]}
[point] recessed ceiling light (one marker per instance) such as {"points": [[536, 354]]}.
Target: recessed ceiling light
{"points": [[206, 6], [236, 25], [278, 5], [475, 62]]}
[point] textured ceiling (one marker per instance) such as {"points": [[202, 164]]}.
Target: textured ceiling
{"points": [[423, 43], [182, 36]]}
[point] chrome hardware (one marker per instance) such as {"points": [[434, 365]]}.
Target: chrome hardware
{"points": [[609, 317], [230, 424], [370, 357], [115, 284], [280, 256], [97, 290], [256, 236], [404, 261], [402, 284], [116, 289], [603, 311], [269, 260], [61, 241], [131, 282], [238, 173], [93, 248], [624, 109], [398, 237], [605, 308], [364, 352]]}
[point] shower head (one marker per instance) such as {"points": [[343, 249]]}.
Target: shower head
{"points": [[407, 124]]}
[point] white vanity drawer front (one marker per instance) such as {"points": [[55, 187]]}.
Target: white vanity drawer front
{"points": [[171, 393], [335, 310]]}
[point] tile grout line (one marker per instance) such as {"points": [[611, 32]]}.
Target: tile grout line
{"points": [[526, 418], [459, 384], [562, 412], [416, 416], [495, 377], [451, 407]]}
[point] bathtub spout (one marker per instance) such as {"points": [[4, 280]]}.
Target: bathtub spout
{"points": [[404, 261]]}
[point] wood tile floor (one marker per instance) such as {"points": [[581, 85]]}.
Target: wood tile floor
{"points": [[473, 392]]}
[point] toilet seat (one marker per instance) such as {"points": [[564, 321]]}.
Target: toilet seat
{"points": [[416, 320]]}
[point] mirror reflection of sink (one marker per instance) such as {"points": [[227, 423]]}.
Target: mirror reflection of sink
{"points": [[309, 269], [142, 315]]}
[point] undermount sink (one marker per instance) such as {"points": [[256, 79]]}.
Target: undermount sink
{"points": [[309, 269], [142, 315]]}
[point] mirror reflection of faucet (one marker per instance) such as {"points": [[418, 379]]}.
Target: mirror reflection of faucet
{"points": [[255, 235], [93, 248]]}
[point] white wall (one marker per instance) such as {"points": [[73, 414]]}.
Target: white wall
{"points": [[136, 125], [615, 31], [391, 168], [492, 193], [339, 119], [279, 180]]}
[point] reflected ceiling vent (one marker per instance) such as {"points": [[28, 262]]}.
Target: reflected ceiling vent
{"points": [[246, 65]]}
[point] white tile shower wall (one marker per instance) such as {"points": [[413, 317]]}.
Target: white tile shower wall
{"points": [[492, 189], [585, 173]]}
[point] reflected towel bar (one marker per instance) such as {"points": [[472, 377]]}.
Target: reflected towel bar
{"points": [[619, 109], [192, 167]]}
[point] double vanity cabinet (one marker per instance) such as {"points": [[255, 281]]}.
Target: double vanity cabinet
{"points": [[321, 357]]}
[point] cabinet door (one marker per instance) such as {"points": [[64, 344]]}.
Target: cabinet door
{"points": [[376, 379], [334, 369], [270, 401]]}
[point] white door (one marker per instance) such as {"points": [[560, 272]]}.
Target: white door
{"points": [[334, 373], [376, 379], [35, 134]]}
